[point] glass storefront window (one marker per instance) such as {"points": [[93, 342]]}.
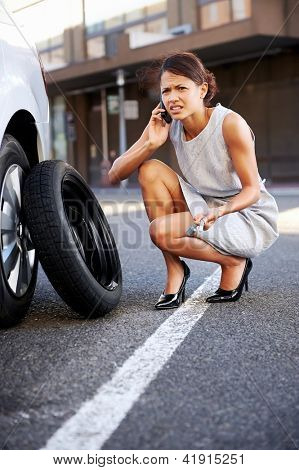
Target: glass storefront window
{"points": [[95, 47]]}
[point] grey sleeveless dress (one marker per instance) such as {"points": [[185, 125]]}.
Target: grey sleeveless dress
{"points": [[210, 180]]}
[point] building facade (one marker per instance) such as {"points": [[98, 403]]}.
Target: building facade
{"points": [[91, 60]]}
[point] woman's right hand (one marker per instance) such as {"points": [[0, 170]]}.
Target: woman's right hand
{"points": [[158, 129]]}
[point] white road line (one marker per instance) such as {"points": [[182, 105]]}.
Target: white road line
{"points": [[99, 417]]}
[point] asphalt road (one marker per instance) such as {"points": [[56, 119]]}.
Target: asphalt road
{"points": [[233, 383]]}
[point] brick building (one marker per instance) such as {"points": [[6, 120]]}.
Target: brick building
{"points": [[97, 110]]}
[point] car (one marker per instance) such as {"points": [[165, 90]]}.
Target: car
{"points": [[48, 212]]}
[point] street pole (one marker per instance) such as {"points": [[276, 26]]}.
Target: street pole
{"points": [[105, 164], [120, 80]]}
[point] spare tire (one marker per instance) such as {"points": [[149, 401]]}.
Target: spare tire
{"points": [[72, 238]]}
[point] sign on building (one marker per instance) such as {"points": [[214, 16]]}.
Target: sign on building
{"points": [[131, 109], [113, 104]]}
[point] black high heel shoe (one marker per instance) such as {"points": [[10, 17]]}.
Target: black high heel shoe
{"points": [[222, 295], [174, 300]]}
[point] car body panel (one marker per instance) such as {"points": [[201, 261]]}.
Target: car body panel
{"points": [[21, 82]]}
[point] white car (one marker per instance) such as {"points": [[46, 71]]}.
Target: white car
{"points": [[47, 210]]}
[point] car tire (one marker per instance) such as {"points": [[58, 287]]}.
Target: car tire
{"points": [[72, 237], [19, 263]]}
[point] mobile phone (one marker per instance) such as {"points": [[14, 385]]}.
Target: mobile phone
{"points": [[166, 116]]}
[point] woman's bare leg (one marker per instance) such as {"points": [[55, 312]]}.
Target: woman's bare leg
{"points": [[170, 217], [162, 195], [168, 233]]}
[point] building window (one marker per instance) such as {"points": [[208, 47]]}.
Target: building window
{"points": [[52, 57], [94, 28], [136, 34], [136, 29], [135, 15], [214, 14], [114, 21], [122, 14], [57, 56], [140, 36], [157, 26], [143, 24], [50, 42], [96, 47], [155, 8], [241, 9]]}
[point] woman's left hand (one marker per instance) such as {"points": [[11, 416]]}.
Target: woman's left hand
{"points": [[209, 218]]}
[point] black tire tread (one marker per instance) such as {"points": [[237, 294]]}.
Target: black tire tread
{"points": [[46, 235]]}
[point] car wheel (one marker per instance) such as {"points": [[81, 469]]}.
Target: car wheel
{"points": [[72, 238], [18, 259]]}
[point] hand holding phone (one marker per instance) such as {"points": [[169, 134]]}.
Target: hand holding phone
{"points": [[158, 128], [166, 116]]}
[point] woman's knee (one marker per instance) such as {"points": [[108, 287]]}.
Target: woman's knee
{"points": [[159, 232], [149, 171]]}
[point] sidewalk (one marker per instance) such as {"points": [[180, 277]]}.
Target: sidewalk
{"points": [[283, 189], [118, 194], [115, 201]]}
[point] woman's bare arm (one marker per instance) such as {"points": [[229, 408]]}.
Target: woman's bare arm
{"points": [[153, 136], [134, 156], [237, 136]]}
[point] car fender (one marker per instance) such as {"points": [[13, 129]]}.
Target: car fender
{"points": [[24, 103], [22, 86]]}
